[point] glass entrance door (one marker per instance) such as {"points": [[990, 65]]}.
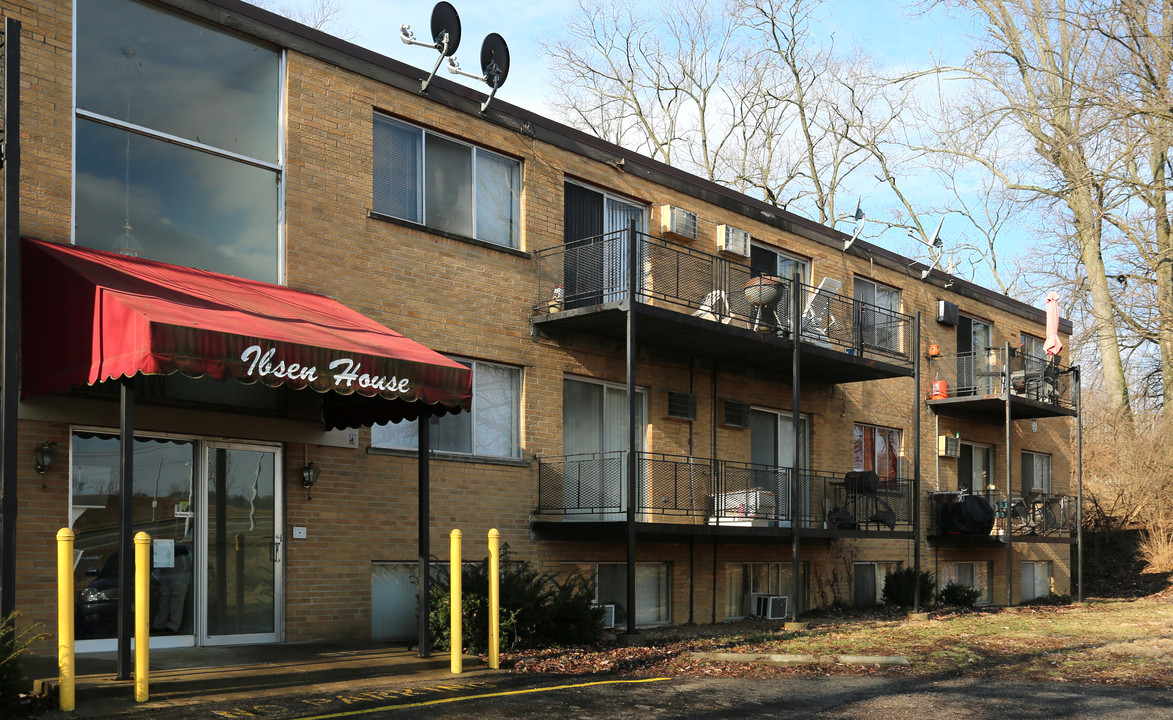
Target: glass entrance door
{"points": [[242, 569]]}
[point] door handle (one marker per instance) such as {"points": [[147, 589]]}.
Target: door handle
{"points": [[275, 551]]}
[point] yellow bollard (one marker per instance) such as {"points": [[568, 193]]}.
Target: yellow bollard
{"points": [[456, 640], [65, 657], [494, 599], [142, 614]]}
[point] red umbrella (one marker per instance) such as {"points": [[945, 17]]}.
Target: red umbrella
{"points": [[1054, 345]]}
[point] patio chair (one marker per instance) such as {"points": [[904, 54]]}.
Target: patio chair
{"points": [[715, 306], [817, 319]]}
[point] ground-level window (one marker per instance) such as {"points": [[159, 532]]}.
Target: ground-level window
{"points": [[868, 580], [878, 448], [1036, 580], [971, 574], [652, 596], [1036, 472], [745, 580], [492, 429]]}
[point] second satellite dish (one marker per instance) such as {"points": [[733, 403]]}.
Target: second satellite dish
{"points": [[494, 60]]}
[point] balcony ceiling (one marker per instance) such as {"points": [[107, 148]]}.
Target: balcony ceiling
{"points": [[993, 408], [677, 332]]}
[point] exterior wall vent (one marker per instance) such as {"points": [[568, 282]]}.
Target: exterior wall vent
{"points": [[736, 414], [681, 405], [678, 222]]}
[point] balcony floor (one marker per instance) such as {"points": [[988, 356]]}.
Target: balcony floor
{"points": [[992, 407], [669, 532], [682, 333]]}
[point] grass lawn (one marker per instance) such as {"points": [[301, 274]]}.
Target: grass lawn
{"points": [[1105, 641]]}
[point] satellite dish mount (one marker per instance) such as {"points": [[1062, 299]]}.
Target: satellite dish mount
{"points": [[494, 65], [445, 37]]}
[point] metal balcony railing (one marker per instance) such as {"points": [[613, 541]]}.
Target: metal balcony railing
{"points": [[593, 272], [1034, 514], [674, 488], [984, 373]]}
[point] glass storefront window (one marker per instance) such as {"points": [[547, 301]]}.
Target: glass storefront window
{"points": [[163, 506]]}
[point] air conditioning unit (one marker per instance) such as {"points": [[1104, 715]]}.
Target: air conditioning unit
{"points": [[681, 405], [745, 503], [608, 616], [678, 222], [948, 446], [736, 414], [771, 607], [733, 240]]}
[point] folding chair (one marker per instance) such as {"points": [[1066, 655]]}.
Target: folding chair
{"points": [[817, 319], [715, 306]]}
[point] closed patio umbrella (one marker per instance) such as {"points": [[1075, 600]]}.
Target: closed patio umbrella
{"points": [[1054, 345]]}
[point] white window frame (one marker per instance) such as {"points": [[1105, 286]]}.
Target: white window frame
{"points": [[775, 585], [1039, 569], [983, 573], [389, 440], [803, 263], [876, 330], [879, 570], [474, 151], [665, 619]]}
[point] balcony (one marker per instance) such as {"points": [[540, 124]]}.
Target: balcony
{"points": [[585, 497], [705, 305], [975, 384], [961, 519]]}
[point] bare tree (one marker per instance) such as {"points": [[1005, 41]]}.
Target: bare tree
{"points": [[326, 15]]}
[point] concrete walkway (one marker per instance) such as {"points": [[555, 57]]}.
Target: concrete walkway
{"points": [[207, 674]]}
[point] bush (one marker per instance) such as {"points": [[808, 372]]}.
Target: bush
{"points": [[14, 645], [536, 608], [959, 595], [899, 587], [1051, 599]]}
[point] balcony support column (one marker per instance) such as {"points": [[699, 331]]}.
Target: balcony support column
{"points": [[1009, 482], [1078, 479], [632, 466], [916, 598], [796, 424]]}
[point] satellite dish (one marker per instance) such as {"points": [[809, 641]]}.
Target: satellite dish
{"points": [[495, 60], [855, 235], [445, 36], [445, 28]]}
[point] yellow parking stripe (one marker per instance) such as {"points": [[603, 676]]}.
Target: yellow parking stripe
{"points": [[351, 713]]}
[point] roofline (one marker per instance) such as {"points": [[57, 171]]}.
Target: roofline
{"points": [[281, 31]]}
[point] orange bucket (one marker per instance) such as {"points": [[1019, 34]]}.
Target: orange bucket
{"points": [[940, 390]]}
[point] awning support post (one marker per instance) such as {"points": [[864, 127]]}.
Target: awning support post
{"points": [[126, 527], [425, 529]]}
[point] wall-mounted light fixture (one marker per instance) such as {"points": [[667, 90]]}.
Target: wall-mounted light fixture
{"points": [[43, 458], [309, 476]]}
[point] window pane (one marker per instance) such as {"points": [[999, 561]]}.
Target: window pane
{"points": [[452, 433], [734, 590], [396, 185], [582, 417], [155, 69], [448, 186], [184, 206], [496, 398], [403, 434], [497, 194]]}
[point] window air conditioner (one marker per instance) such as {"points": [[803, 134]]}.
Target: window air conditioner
{"points": [[608, 616], [678, 222], [733, 240], [771, 607]]}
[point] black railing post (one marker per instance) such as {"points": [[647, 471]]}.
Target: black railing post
{"points": [[796, 424], [9, 409], [424, 531], [632, 465], [916, 463]]}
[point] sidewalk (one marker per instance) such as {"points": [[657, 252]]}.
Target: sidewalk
{"points": [[193, 675]]}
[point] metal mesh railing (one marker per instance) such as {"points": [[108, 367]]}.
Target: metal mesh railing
{"points": [[985, 372], [720, 492], [1032, 514], [593, 271]]}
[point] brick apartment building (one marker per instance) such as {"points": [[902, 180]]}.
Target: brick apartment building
{"points": [[213, 135]]}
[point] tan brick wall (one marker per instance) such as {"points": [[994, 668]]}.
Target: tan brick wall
{"points": [[469, 300]]}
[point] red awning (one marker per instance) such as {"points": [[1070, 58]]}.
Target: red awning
{"points": [[90, 316]]}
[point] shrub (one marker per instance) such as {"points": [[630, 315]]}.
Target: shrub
{"points": [[1051, 599], [899, 587], [14, 645], [536, 608], [959, 595]]}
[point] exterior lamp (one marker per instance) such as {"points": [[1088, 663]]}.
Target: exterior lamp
{"points": [[43, 458], [309, 476]]}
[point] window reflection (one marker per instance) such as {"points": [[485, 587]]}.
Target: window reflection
{"points": [[186, 207], [148, 67]]}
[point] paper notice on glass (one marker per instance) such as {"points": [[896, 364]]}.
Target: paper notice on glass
{"points": [[164, 553], [183, 510]]}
